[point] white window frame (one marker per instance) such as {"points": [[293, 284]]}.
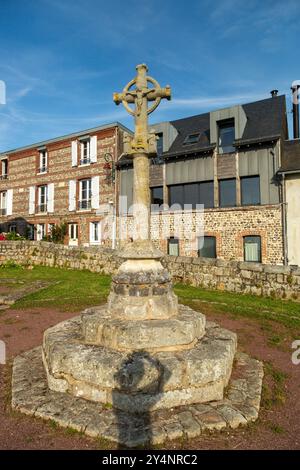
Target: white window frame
{"points": [[4, 168], [43, 161], [3, 202], [45, 197], [85, 159], [40, 231], [95, 232], [88, 198]]}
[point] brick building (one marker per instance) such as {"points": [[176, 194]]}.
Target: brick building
{"points": [[68, 179], [236, 161], [228, 160]]}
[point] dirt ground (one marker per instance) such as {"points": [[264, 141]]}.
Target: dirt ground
{"points": [[278, 426]]}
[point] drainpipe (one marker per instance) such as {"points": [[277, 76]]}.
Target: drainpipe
{"points": [[284, 219], [114, 225]]}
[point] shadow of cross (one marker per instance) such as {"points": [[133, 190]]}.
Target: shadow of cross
{"points": [[140, 380]]}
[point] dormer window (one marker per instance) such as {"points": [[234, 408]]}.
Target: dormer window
{"points": [[85, 152], [43, 157], [226, 136], [192, 139]]}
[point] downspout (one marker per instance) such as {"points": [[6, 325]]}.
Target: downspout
{"points": [[114, 164], [284, 220]]}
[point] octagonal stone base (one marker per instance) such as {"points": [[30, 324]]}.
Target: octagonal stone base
{"points": [[188, 365], [240, 405]]}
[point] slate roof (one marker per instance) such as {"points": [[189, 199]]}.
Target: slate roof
{"points": [[266, 120], [290, 156]]}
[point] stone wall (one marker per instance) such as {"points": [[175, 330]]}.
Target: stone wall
{"points": [[229, 226], [233, 276]]}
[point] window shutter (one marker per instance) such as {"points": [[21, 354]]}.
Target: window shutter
{"points": [[72, 195], [95, 192], [9, 202], [93, 149], [92, 238], [31, 199], [50, 197], [74, 153]]}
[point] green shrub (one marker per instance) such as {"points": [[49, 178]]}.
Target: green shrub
{"points": [[57, 234]]}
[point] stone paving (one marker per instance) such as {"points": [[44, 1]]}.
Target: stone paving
{"points": [[240, 405]]}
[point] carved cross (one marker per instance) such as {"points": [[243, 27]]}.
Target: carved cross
{"points": [[140, 96]]}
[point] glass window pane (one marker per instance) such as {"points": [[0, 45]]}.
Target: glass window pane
{"points": [[159, 144], [208, 250], [226, 137], [250, 189], [176, 195], [207, 194], [191, 194], [157, 197], [173, 247], [227, 193], [252, 249]]}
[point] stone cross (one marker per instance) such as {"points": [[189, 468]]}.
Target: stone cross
{"points": [[143, 144]]}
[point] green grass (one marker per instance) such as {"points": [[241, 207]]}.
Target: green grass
{"points": [[70, 290], [284, 312], [73, 290]]}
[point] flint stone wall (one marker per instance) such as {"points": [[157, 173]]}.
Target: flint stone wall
{"points": [[232, 276]]}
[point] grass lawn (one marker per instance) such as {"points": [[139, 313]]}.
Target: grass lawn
{"points": [[69, 289], [75, 290]]}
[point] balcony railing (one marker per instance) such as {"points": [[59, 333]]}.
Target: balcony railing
{"points": [[3, 211], [42, 208], [3, 177], [84, 204], [85, 161]]}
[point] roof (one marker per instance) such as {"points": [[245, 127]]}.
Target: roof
{"points": [[266, 120], [68, 136], [290, 156]]}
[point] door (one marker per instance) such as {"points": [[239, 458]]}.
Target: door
{"points": [[73, 234]]}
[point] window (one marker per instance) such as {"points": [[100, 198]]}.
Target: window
{"points": [[250, 190], [13, 228], [42, 198], [160, 144], [227, 193], [252, 249], [192, 193], [30, 232], [226, 136], [41, 231], [85, 193], [191, 139], [207, 247], [157, 198], [43, 161], [95, 232], [3, 202], [4, 169], [73, 231], [173, 246], [85, 152]]}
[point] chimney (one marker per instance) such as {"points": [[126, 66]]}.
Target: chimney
{"points": [[274, 93], [295, 91]]}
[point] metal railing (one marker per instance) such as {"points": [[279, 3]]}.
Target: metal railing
{"points": [[43, 169], [3, 211], [85, 161], [4, 177], [42, 208], [84, 204]]}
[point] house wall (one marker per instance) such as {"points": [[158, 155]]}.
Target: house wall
{"points": [[292, 185], [23, 174]]}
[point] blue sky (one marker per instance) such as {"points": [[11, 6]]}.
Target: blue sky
{"points": [[62, 59]]}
